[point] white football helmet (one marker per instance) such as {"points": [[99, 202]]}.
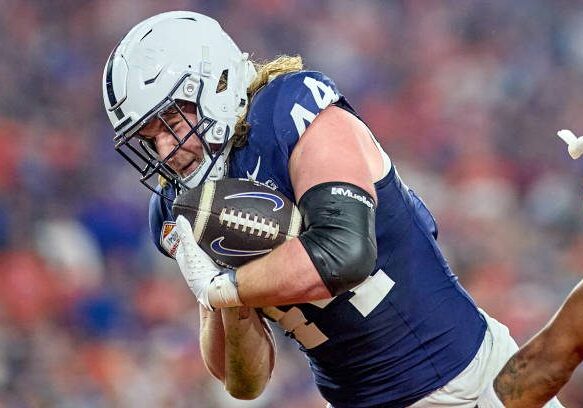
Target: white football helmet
{"points": [[170, 57]]}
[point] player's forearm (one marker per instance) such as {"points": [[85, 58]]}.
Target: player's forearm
{"points": [[540, 369], [212, 342], [285, 276], [249, 352], [533, 375], [238, 349]]}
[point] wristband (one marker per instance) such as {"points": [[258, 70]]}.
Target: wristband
{"points": [[223, 291]]}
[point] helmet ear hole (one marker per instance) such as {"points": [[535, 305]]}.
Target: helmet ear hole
{"points": [[223, 81]]}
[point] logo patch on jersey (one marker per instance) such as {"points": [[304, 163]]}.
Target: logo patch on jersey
{"points": [[348, 193], [253, 176], [169, 239], [277, 201], [217, 247], [271, 184]]}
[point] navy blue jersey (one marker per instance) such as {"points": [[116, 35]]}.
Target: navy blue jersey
{"points": [[409, 328]]}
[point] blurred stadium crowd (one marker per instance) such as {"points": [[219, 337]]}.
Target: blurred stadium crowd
{"points": [[465, 96]]}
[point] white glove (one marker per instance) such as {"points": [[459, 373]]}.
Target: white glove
{"points": [[210, 283], [574, 143]]}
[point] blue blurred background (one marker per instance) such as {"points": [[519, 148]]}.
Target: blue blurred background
{"points": [[466, 97]]}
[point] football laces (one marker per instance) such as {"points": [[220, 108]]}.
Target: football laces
{"points": [[249, 223]]}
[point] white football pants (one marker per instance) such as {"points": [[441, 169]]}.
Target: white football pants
{"points": [[464, 390]]}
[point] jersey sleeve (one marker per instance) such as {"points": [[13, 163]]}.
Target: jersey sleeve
{"points": [[301, 97], [279, 115], [162, 222], [293, 102]]}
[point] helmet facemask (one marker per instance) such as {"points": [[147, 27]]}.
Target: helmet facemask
{"points": [[142, 155], [163, 61]]}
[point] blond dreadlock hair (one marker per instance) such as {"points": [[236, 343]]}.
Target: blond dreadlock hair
{"points": [[266, 72]]}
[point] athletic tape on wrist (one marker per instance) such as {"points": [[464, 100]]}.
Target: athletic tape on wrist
{"points": [[223, 290]]}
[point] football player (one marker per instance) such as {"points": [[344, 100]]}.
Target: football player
{"points": [[364, 290]]}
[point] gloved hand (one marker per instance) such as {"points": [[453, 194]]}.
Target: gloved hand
{"points": [[574, 143], [196, 266], [211, 284]]}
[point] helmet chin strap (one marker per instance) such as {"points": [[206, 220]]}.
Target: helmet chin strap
{"points": [[217, 172]]}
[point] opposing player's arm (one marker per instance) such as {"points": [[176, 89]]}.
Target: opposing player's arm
{"points": [[335, 148], [543, 365], [238, 348]]}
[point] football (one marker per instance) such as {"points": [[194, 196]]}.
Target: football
{"points": [[237, 220]]}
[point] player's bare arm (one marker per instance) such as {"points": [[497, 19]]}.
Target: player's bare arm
{"points": [[212, 342], [540, 369], [238, 348], [333, 148]]}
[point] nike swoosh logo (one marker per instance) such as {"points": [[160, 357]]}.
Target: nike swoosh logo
{"points": [[275, 199], [218, 248], [253, 176]]}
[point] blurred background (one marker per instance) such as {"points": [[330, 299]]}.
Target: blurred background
{"points": [[465, 95]]}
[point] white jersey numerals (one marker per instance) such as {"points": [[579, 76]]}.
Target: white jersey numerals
{"points": [[323, 95], [371, 292], [367, 296], [300, 115]]}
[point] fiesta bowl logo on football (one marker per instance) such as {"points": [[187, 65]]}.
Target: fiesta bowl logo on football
{"points": [[169, 238]]}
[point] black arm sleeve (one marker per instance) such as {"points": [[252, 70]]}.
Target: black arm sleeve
{"points": [[339, 235]]}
